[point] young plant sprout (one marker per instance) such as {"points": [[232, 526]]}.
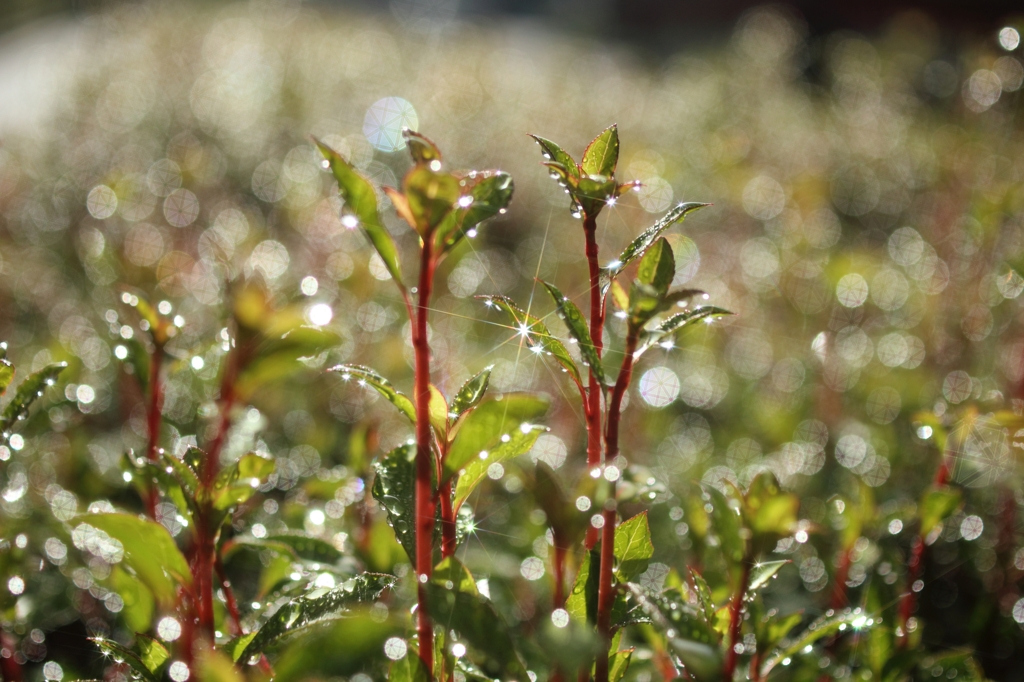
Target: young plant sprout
{"points": [[456, 438], [365, 571], [653, 314]]}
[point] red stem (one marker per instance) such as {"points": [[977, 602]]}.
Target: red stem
{"points": [[755, 667], [202, 576], [186, 601], [203, 563], [915, 565], [156, 401], [9, 667], [606, 584], [593, 406], [605, 592], [842, 572], [424, 458], [735, 622], [229, 596], [559, 571], [666, 668]]}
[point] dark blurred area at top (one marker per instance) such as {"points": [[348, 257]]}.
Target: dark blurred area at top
{"points": [[652, 24]]}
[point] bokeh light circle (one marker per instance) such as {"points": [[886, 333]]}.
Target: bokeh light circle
{"points": [[385, 120], [659, 387]]}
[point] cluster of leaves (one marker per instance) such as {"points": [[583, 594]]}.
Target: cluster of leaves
{"points": [[284, 542], [687, 625]]}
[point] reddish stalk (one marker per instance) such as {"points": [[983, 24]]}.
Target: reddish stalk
{"points": [[205, 558], [156, 401], [915, 567], [755, 668], [606, 584], [735, 622], [593, 407], [666, 668], [229, 596], [842, 572], [186, 602], [558, 566], [424, 458], [9, 666]]}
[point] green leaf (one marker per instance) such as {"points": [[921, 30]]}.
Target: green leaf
{"points": [[570, 314], [593, 193], [139, 360], [451, 574], [29, 390], [552, 152], [182, 472], [574, 646], [216, 666], [278, 358], [677, 322], [193, 459], [237, 483], [144, 472], [536, 334], [409, 668], [619, 296], [254, 468], [520, 441], [695, 641], [936, 506], [687, 317], [658, 267], [859, 510], [361, 202], [367, 377], [763, 572], [471, 393], [633, 548], [437, 408], [494, 423], [567, 523], [602, 154], [638, 247], [644, 302], [768, 511], [477, 623], [704, 596], [421, 148], [582, 601], [490, 192], [294, 544], [825, 626], [113, 649], [6, 375], [618, 664], [336, 648], [703, 662], [152, 653], [146, 311], [394, 487], [138, 600], [149, 551], [431, 196], [726, 522], [315, 606], [770, 629]]}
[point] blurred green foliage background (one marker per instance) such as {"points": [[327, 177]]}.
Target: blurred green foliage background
{"points": [[867, 229]]}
